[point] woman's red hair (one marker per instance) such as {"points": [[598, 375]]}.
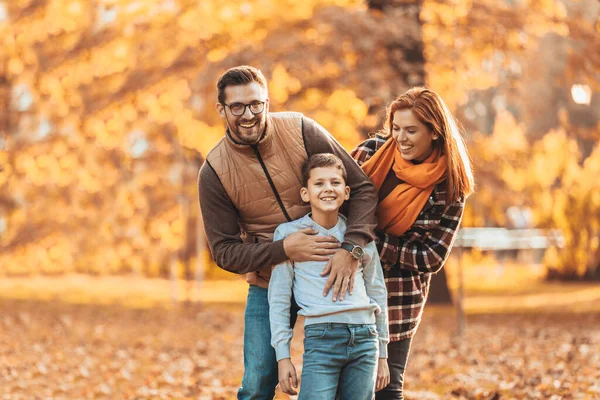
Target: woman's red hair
{"points": [[430, 110]]}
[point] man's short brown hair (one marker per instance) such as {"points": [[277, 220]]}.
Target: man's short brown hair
{"points": [[322, 160], [241, 75]]}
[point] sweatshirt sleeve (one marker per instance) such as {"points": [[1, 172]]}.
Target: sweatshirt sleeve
{"points": [[363, 195], [377, 292], [280, 300], [221, 224]]}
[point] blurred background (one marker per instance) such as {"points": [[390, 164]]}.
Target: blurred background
{"points": [[107, 112]]}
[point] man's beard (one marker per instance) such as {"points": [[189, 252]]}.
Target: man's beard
{"points": [[248, 135]]}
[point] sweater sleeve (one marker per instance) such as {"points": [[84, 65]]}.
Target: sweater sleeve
{"points": [[363, 195], [377, 292], [280, 300], [221, 224]]}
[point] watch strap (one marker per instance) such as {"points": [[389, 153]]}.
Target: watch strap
{"points": [[348, 247]]}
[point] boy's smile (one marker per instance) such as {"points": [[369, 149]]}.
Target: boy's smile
{"points": [[326, 191]]}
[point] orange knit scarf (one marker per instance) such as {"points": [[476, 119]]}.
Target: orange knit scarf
{"points": [[399, 210]]}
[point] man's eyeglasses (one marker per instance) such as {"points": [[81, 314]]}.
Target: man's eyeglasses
{"points": [[237, 109]]}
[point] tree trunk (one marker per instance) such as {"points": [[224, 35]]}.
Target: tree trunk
{"points": [[406, 55], [5, 107]]}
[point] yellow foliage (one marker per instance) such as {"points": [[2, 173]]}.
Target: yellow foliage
{"points": [[97, 82], [508, 136], [546, 176], [345, 102], [200, 136], [282, 84], [217, 54], [5, 174], [351, 58], [548, 18], [312, 98], [331, 69]]}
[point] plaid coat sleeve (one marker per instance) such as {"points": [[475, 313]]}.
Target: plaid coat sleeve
{"points": [[364, 151], [426, 245]]}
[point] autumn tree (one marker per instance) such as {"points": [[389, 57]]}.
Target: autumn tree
{"points": [[109, 106]]}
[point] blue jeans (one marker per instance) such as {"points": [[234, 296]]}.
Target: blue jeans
{"points": [[260, 363], [340, 361]]}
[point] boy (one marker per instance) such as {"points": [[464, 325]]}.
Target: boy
{"points": [[342, 339]]}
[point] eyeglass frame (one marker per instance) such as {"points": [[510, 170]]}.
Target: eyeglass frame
{"points": [[248, 106]]}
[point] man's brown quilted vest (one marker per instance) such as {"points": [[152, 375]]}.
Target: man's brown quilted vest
{"points": [[246, 180]]}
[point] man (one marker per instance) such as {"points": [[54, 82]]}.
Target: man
{"points": [[249, 184]]}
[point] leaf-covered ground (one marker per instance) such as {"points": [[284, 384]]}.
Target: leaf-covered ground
{"points": [[54, 350]]}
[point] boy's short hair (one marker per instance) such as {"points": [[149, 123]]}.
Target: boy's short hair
{"points": [[241, 75], [321, 160]]}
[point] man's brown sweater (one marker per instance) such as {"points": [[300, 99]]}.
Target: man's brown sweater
{"points": [[222, 219]]}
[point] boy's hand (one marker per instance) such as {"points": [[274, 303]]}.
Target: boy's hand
{"points": [[305, 245], [383, 374], [287, 372], [342, 268]]}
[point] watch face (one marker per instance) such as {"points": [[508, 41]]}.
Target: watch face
{"points": [[358, 252]]}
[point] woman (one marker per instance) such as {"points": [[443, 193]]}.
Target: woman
{"points": [[422, 172]]}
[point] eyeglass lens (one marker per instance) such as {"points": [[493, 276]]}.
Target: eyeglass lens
{"points": [[238, 109]]}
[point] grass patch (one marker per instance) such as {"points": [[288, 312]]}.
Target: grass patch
{"points": [[513, 289], [129, 291]]}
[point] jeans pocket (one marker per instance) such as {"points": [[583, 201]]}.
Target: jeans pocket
{"points": [[315, 332], [372, 331]]}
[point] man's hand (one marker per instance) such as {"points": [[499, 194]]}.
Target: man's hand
{"points": [[383, 374], [287, 372], [305, 245], [342, 268]]}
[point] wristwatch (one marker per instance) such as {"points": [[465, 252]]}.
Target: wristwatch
{"points": [[356, 251]]}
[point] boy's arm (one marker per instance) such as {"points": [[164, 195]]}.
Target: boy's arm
{"points": [[280, 300], [288, 378], [223, 230], [375, 286]]}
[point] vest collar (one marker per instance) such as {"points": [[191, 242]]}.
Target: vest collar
{"points": [[263, 144]]}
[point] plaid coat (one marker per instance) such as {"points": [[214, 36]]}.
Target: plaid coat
{"points": [[409, 260]]}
